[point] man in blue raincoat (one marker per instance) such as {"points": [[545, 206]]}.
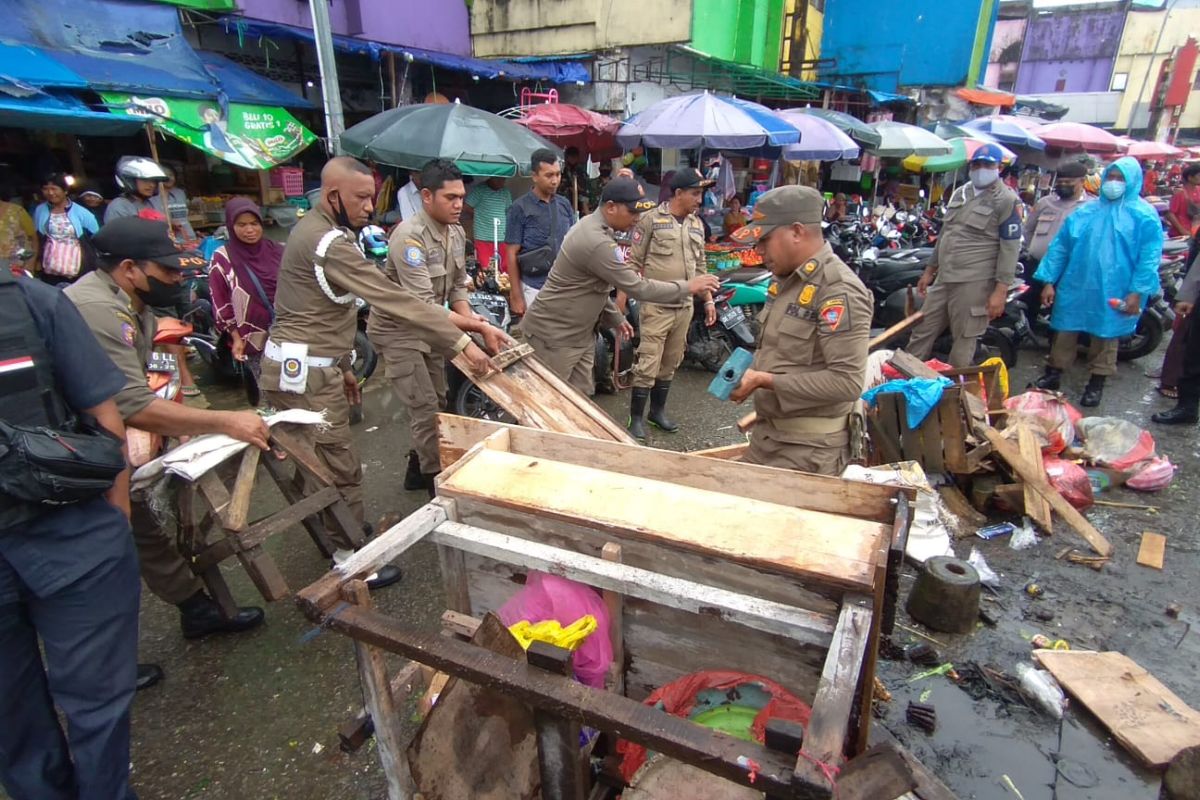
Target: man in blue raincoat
{"points": [[1099, 271]]}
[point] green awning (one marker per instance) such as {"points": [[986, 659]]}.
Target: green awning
{"points": [[254, 137], [693, 69]]}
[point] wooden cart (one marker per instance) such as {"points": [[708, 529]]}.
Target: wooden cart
{"points": [[706, 564]]}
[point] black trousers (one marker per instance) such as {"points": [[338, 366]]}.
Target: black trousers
{"points": [[1189, 380]]}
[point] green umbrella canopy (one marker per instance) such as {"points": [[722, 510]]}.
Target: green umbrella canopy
{"points": [[853, 127], [479, 142]]}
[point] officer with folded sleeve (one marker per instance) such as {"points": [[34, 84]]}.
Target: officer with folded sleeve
{"points": [[811, 359]]}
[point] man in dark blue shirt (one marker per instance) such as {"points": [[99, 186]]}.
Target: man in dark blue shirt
{"points": [[69, 578], [537, 223]]}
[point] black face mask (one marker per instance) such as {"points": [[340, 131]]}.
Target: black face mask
{"points": [[339, 212], [161, 295], [1065, 192]]}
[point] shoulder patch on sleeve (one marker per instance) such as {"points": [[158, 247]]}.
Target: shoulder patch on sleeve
{"points": [[128, 334], [414, 256], [1010, 228], [834, 313], [618, 254], [637, 234]]}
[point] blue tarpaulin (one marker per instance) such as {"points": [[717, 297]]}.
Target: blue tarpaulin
{"points": [[63, 113], [550, 71], [244, 86]]}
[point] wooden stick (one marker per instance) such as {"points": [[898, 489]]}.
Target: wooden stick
{"points": [[894, 331], [1135, 506], [916, 632], [616, 622], [747, 422], [243, 487], [1036, 507], [162, 185]]}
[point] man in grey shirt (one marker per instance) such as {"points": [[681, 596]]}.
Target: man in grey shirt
{"points": [[138, 179]]}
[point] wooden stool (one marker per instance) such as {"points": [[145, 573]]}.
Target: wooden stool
{"points": [[224, 532]]}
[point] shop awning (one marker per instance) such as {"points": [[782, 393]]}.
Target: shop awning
{"points": [[63, 113], [550, 71], [246, 86], [693, 69], [987, 97]]}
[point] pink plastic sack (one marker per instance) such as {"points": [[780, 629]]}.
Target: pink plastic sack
{"points": [[1071, 481], [1058, 415], [1113, 442], [1152, 476], [545, 597]]}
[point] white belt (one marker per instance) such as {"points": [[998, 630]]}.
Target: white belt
{"points": [[273, 352]]}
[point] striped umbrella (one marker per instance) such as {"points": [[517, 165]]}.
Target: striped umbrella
{"points": [[707, 121], [900, 140]]}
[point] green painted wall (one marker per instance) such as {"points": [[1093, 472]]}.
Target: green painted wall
{"points": [[742, 31]]}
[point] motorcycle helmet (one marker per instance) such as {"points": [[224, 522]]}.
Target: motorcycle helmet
{"points": [[131, 169], [374, 243]]}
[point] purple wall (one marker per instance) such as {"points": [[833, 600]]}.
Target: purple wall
{"points": [[442, 25], [1076, 47]]}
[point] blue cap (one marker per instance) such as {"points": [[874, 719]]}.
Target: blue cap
{"points": [[988, 153]]}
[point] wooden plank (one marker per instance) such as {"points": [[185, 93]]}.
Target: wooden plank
{"points": [[678, 738], [976, 457], [292, 493], [354, 732], [604, 573], [1035, 506], [891, 333], [829, 548], [215, 495], [931, 443], [1006, 450], [559, 763], [825, 739], [288, 439], [617, 431], [611, 552], [454, 579], [895, 562], [291, 515], [928, 786], [459, 624], [910, 366], [954, 446], [885, 428], [817, 492], [1152, 549], [264, 573], [1147, 718], [878, 774], [377, 697], [910, 438], [961, 507], [243, 487], [727, 452]]}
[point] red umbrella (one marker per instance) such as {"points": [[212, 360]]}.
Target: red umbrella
{"points": [[1078, 136], [1153, 150], [568, 125]]}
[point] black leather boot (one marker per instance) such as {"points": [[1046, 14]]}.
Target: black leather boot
{"points": [[200, 616], [427, 482], [1051, 379], [1093, 392], [658, 407], [637, 412], [412, 476], [148, 675], [1186, 412]]}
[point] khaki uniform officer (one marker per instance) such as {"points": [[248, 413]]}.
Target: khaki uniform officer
{"points": [[668, 244], [811, 359], [427, 256], [560, 324], [974, 262], [305, 362]]}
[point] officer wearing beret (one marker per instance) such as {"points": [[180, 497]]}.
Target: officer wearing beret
{"points": [[811, 359], [561, 321], [974, 262]]}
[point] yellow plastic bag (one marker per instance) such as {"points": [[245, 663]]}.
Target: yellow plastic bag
{"points": [[1001, 374], [551, 632]]}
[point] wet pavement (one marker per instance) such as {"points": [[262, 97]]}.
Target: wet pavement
{"points": [[254, 716]]}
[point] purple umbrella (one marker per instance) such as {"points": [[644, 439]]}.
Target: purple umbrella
{"points": [[708, 121], [820, 140]]}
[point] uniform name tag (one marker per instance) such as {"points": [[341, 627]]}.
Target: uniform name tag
{"points": [[797, 311], [293, 367], [664, 226]]}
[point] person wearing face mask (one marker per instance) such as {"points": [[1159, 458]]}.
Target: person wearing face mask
{"points": [[306, 360], [973, 263], [1047, 216], [139, 267], [1099, 271], [427, 255]]}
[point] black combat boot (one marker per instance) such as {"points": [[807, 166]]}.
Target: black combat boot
{"points": [[1051, 379], [637, 412], [1093, 392], [200, 615], [427, 482], [1185, 412], [658, 407], [147, 676], [412, 475]]}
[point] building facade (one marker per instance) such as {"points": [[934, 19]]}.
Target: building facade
{"points": [[439, 25]]}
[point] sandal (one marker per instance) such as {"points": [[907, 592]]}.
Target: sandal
{"points": [[1169, 392], [190, 391]]}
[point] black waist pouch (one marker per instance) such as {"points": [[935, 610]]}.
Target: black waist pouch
{"points": [[57, 466]]}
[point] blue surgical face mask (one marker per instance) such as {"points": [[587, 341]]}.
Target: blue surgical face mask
{"points": [[1113, 190]]}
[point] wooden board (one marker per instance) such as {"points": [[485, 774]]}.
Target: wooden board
{"points": [[477, 743], [663, 778], [1151, 552], [833, 549], [1147, 718], [538, 398], [910, 366], [1036, 506]]}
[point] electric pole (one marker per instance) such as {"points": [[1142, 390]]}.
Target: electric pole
{"points": [[335, 121]]}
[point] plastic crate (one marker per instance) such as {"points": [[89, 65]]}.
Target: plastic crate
{"points": [[290, 179]]}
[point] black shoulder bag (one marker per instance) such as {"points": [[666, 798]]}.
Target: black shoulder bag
{"points": [[537, 263]]}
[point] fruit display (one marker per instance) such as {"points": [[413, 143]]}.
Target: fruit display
{"points": [[726, 257]]}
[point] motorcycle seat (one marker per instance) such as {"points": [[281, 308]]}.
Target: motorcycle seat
{"points": [[746, 275], [1179, 245]]}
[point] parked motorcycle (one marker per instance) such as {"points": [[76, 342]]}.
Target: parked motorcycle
{"points": [[709, 347], [490, 301]]}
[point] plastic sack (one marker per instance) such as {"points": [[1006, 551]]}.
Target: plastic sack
{"points": [[1152, 476], [1039, 685], [1113, 442], [549, 597], [1023, 537], [1071, 481], [987, 576], [678, 698], [1059, 416], [921, 396]]}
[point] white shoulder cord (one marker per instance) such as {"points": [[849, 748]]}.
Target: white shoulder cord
{"points": [[322, 248]]}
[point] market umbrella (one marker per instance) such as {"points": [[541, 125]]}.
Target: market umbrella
{"points": [[900, 140], [853, 127], [1008, 129], [1078, 136], [571, 126], [480, 143], [956, 130], [963, 149], [820, 140], [707, 121], [1153, 150]]}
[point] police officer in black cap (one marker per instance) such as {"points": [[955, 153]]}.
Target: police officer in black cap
{"points": [[69, 583]]}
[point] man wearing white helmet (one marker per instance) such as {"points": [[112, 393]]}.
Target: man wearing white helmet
{"points": [[138, 179]]}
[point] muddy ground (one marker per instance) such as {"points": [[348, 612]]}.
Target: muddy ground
{"points": [[254, 716]]}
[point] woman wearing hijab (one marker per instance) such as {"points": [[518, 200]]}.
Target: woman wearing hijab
{"points": [[242, 282]]}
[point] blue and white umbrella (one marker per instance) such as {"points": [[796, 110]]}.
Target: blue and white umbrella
{"points": [[1009, 130], [709, 122]]}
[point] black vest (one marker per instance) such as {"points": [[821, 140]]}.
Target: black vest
{"points": [[28, 391]]}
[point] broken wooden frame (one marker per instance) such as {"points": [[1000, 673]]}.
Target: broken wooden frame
{"points": [[681, 608]]}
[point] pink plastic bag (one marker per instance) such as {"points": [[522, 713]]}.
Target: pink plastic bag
{"points": [[1152, 476], [1113, 442], [545, 597], [1059, 415], [1071, 481]]}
